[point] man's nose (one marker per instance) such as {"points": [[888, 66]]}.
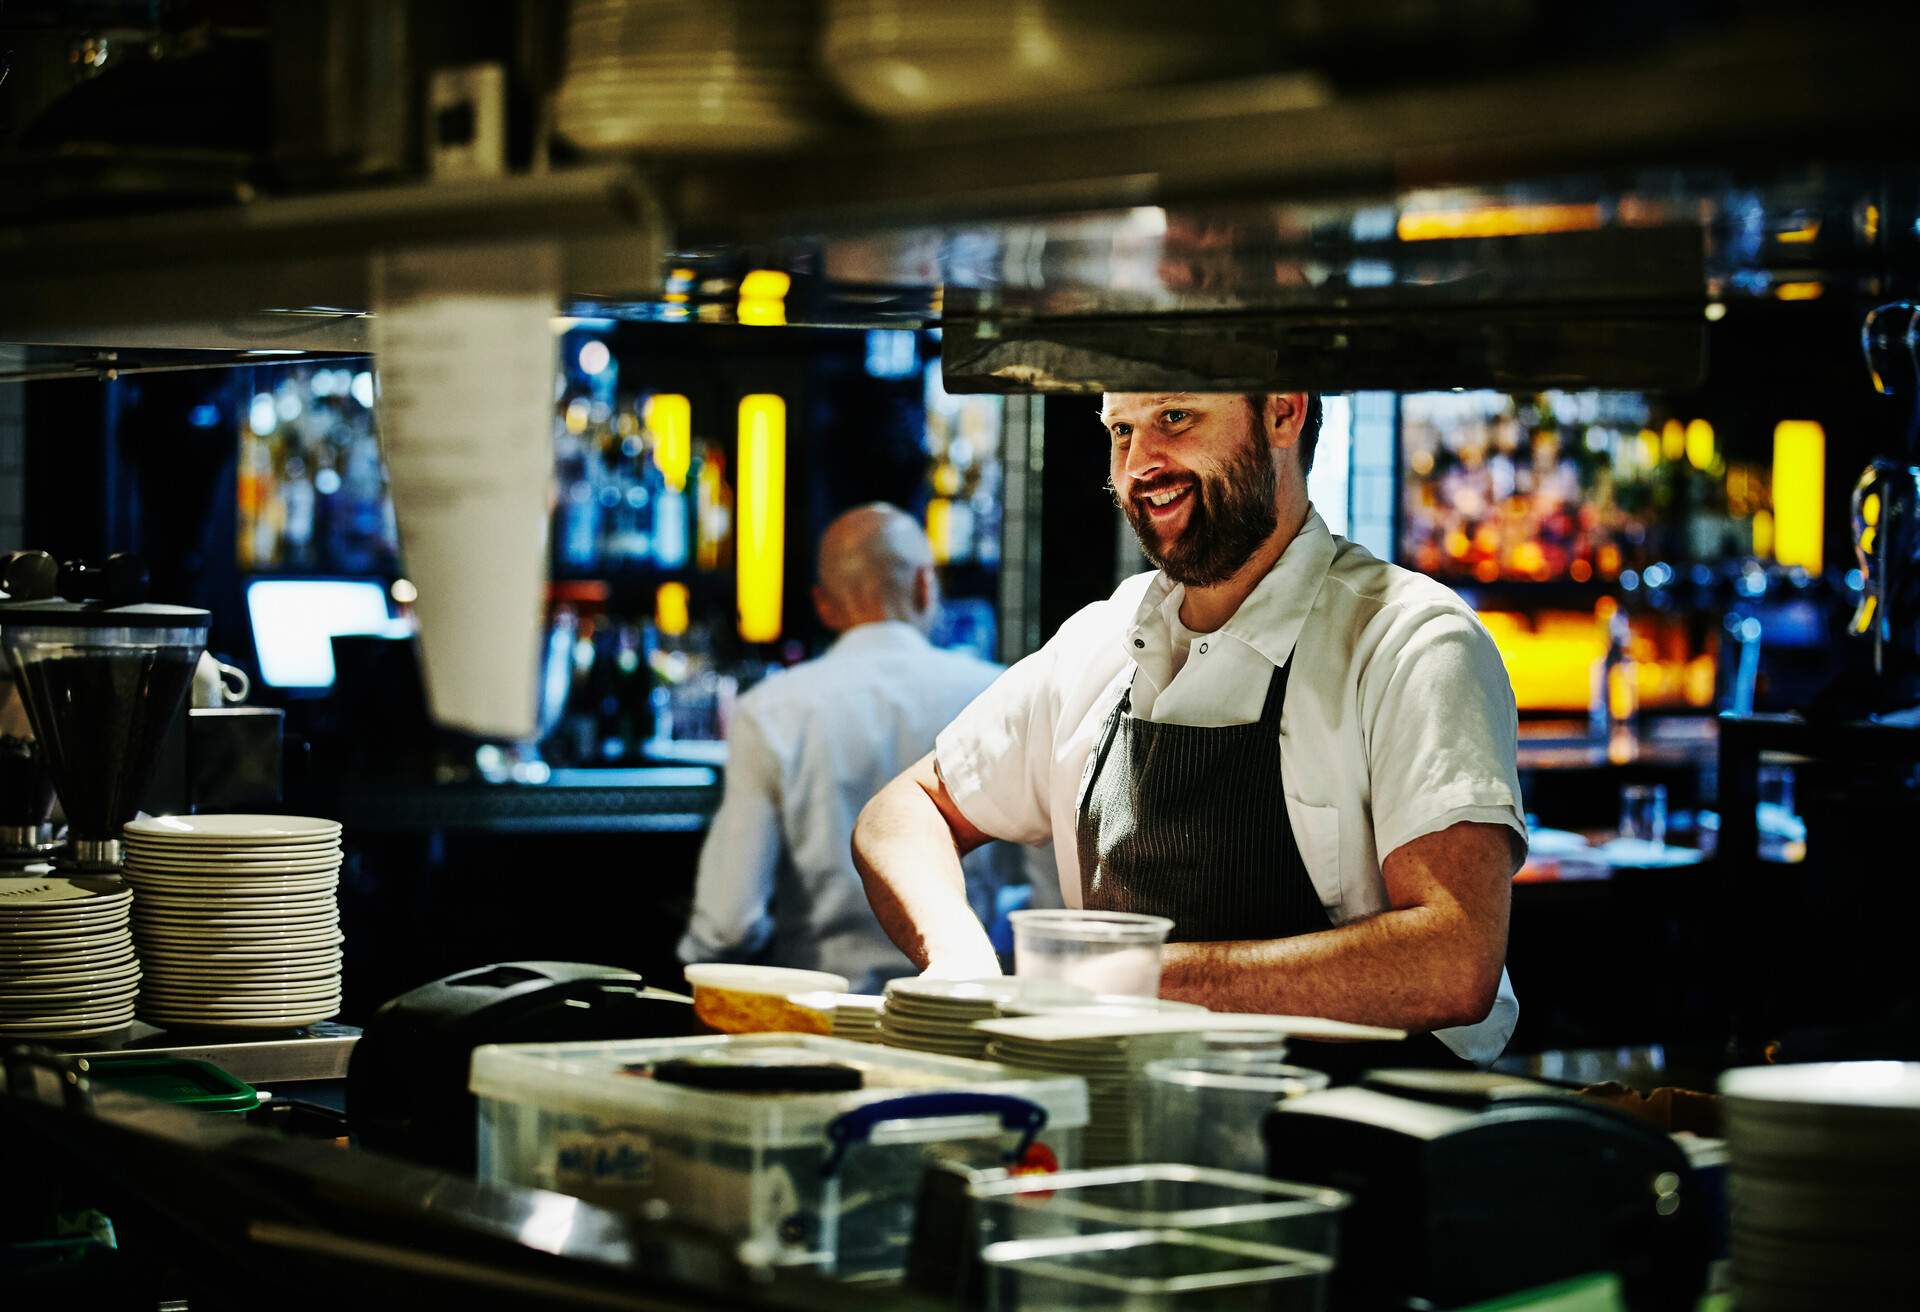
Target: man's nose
{"points": [[1145, 454]]}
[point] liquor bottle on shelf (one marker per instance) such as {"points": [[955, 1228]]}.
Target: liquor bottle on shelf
{"points": [[1616, 696]]}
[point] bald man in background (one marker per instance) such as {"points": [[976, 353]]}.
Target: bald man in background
{"points": [[809, 746]]}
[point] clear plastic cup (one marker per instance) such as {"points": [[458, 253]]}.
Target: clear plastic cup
{"points": [[1212, 1111], [1105, 951]]}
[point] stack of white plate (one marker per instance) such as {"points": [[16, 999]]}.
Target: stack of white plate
{"points": [[667, 75], [1822, 1163], [906, 57], [937, 1015], [856, 1016], [1114, 1068], [235, 919], [67, 967]]}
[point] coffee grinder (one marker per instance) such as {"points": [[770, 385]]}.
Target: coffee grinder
{"points": [[101, 673]]}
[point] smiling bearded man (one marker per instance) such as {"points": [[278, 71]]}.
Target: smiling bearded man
{"points": [[1301, 755]]}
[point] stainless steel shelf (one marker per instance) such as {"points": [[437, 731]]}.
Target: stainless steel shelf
{"points": [[316, 1052]]}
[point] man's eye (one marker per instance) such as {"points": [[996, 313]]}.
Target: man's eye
{"points": [[1176, 416], [1121, 432]]}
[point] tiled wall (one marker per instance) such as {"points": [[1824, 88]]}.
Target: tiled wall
{"points": [[13, 445]]}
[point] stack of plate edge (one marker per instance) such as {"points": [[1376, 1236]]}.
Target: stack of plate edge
{"points": [[51, 988], [214, 960], [1112, 1070], [1823, 1204]]}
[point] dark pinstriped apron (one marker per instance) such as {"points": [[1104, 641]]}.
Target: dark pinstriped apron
{"points": [[1190, 823]]}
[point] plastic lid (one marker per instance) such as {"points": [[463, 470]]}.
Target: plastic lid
{"points": [[182, 1081], [1093, 926], [779, 980], [98, 615]]}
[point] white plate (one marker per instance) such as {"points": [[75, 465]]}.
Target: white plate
{"points": [[240, 999], [12, 984], [229, 926], [231, 855], [87, 1000], [1881, 1085], [186, 973], [47, 924], [232, 828], [292, 905], [27, 945], [292, 1021], [262, 940], [71, 1027], [177, 983], [34, 963], [308, 992], [300, 1013], [279, 863], [109, 1026], [245, 885], [236, 952], [23, 892]]}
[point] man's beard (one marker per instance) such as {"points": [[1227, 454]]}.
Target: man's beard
{"points": [[1231, 515]]}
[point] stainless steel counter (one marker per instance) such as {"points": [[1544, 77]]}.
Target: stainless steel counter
{"points": [[316, 1052]]}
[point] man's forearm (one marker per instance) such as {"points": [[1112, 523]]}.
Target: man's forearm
{"points": [[909, 859], [1405, 968]]}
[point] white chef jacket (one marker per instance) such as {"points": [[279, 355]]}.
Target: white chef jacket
{"points": [[1399, 720], [807, 748]]}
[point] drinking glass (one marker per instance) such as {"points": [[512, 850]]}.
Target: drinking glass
{"points": [[1643, 813]]}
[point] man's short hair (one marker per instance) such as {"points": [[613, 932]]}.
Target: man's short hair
{"points": [[1309, 427]]}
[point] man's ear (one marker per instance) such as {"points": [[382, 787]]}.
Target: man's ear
{"points": [[828, 610], [1284, 414]]}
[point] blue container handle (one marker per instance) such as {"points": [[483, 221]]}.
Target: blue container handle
{"points": [[857, 1126]]}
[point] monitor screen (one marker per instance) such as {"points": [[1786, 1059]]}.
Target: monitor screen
{"points": [[295, 620]]}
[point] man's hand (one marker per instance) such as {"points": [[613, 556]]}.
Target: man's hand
{"points": [[1431, 961], [907, 847]]}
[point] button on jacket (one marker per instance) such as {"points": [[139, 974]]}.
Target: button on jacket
{"points": [[806, 749], [1399, 720]]}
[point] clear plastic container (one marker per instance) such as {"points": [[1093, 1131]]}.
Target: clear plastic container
{"points": [[827, 1179], [1225, 1205], [1105, 951], [1148, 1270], [734, 999], [1212, 1111]]}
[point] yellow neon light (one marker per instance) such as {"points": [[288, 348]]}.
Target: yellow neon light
{"points": [[670, 420], [1649, 448], [1799, 492], [761, 552], [763, 298], [1870, 509], [1673, 440], [1801, 235], [940, 529], [1863, 618], [1799, 291], [1496, 221], [1763, 533], [670, 609], [1700, 444]]}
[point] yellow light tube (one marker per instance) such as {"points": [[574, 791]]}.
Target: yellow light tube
{"points": [[670, 420], [1496, 221], [761, 552], [940, 529], [1799, 493], [1700, 444], [670, 609]]}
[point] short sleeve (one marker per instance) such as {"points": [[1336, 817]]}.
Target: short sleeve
{"points": [[995, 757], [1442, 732]]}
